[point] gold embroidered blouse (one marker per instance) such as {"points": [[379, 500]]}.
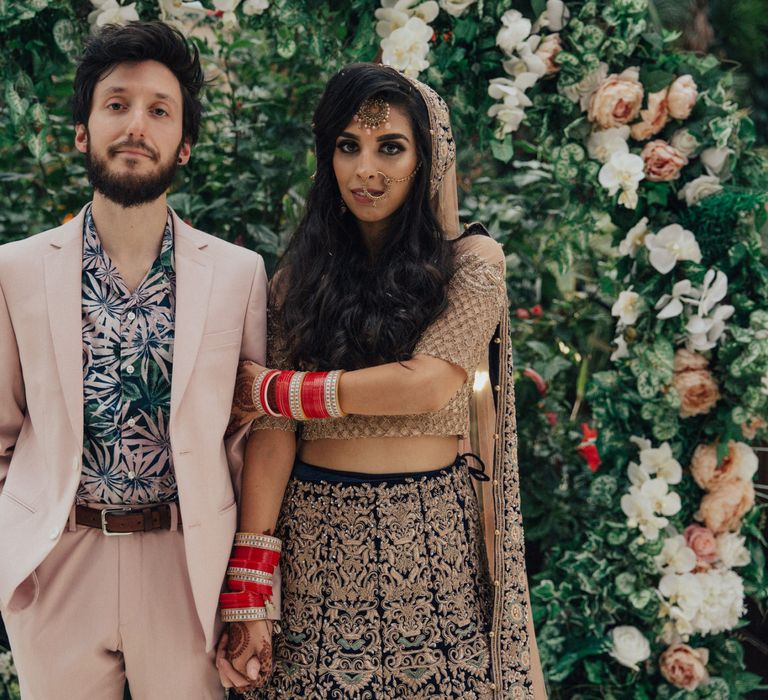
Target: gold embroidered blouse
{"points": [[460, 335]]}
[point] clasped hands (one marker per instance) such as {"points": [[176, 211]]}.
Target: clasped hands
{"points": [[243, 408], [244, 655]]}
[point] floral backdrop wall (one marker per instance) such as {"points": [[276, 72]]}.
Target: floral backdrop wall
{"points": [[624, 176]]}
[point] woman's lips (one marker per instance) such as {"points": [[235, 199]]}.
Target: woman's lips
{"points": [[360, 196]]}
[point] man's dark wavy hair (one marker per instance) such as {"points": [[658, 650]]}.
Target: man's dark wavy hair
{"points": [[134, 42], [338, 308]]}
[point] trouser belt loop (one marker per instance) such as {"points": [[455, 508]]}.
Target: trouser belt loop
{"points": [[174, 510]]}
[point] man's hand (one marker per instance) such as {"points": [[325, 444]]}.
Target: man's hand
{"points": [[243, 408], [244, 655]]}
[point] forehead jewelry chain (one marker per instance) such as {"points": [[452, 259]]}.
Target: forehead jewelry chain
{"points": [[372, 114], [388, 182]]}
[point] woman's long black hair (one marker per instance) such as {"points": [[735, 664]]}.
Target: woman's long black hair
{"points": [[338, 308]]}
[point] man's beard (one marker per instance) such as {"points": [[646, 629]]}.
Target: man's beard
{"points": [[130, 190]]}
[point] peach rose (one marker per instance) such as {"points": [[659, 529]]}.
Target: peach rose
{"points": [[663, 162], [682, 97], [750, 429], [685, 667], [702, 541], [654, 118], [739, 463], [697, 388], [548, 50], [617, 99], [685, 360], [721, 510]]}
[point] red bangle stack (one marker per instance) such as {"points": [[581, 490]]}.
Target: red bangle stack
{"points": [[298, 395], [250, 578]]}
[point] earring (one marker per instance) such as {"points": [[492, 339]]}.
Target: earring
{"points": [[180, 160], [343, 208]]}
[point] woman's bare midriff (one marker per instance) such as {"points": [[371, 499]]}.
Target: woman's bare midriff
{"points": [[381, 455]]}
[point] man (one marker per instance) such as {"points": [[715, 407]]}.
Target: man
{"points": [[120, 334]]}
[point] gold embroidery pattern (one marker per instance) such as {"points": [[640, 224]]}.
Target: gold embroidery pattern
{"points": [[385, 591]]}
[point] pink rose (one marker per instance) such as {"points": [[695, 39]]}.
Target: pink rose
{"points": [[685, 667], [722, 509], [739, 463], [653, 119], [663, 162], [682, 97], [617, 99], [702, 541], [548, 50], [695, 384]]}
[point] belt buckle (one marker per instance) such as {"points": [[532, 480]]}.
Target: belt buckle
{"points": [[107, 511]]}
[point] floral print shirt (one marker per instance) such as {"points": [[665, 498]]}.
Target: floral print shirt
{"points": [[127, 363]]}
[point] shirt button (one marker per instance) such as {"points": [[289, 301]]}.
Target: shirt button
{"points": [[53, 534], [131, 475], [131, 315], [129, 369], [131, 422]]}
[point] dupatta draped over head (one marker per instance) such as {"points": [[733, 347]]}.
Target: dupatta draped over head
{"points": [[514, 657]]}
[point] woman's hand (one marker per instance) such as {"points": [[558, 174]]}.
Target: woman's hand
{"points": [[243, 407], [244, 655]]}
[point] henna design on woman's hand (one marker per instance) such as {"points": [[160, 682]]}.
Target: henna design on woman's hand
{"points": [[239, 639], [243, 398], [265, 663]]}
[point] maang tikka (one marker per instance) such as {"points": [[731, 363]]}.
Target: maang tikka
{"points": [[372, 114]]}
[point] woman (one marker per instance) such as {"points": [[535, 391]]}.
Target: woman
{"points": [[386, 588]]}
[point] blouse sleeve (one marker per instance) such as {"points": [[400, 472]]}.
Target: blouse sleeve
{"points": [[277, 358], [476, 298]]}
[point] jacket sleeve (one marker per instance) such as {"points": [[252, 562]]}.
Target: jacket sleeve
{"points": [[12, 400]]}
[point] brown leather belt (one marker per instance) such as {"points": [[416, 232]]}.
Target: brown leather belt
{"points": [[124, 520]]}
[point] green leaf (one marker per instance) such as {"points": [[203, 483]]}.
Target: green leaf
{"points": [[655, 80], [503, 150]]}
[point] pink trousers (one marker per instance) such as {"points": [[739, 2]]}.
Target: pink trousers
{"points": [[103, 610]]}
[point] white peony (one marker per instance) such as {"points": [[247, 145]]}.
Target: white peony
{"points": [[255, 7], [407, 48], [628, 646], [515, 29], [722, 602], [582, 91], [394, 14], [671, 305], [623, 171], [634, 238], [685, 142], [731, 550], [670, 245], [676, 556], [111, 12], [627, 307], [603, 143], [456, 7], [715, 160], [696, 190]]}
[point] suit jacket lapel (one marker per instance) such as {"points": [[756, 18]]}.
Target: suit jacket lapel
{"points": [[63, 289], [194, 276]]}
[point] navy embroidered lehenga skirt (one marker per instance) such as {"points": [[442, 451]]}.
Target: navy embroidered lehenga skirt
{"points": [[385, 587]]}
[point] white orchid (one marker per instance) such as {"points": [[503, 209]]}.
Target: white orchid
{"points": [[394, 14], [670, 245], [633, 241], [660, 461], [703, 333], [255, 7], [526, 59], [627, 307], [683, 592], [671, 305], [556, 15], [623, 171], [731, 550], [456, 8], [603, 143], [581, 92], [661, 498], [228, 16], [676, 556], [407, 48], [696, 190], [111, 12], [511, 111], [713, 290], [621, 350], [515, 29], [175, 9], [715, 160], [647, 502]]}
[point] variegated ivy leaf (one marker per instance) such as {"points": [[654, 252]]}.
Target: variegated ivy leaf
{"points": [[65, 36], [39, 114], [17, 106], [37, 145]]}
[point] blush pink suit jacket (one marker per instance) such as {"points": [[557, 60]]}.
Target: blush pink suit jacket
{"points": [[220, 317]]}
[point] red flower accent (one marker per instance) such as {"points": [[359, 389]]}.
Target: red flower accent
{"points": [[434, 37], [551, 417], [537, 310], [215, 13], [447, 36], [522, 313], [537, 379], [588, 449]]}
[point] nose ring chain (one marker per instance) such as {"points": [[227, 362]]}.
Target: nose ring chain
{"points": [[388, 182]]}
